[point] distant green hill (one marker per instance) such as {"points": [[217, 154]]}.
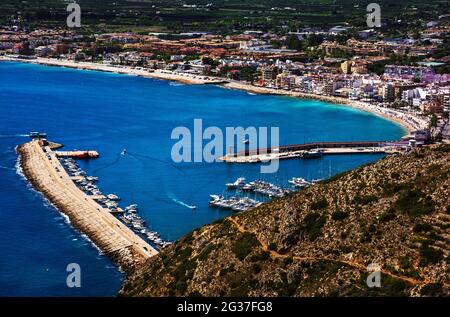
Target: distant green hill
{"points": [[222, 15], [319, 241]]}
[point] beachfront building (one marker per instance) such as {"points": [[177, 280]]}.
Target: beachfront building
{"points": [[269, 75], [286, 81], [388, 93], [434, 106]]}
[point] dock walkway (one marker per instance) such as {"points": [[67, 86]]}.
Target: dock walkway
{"points": [[299, 150], [42, 167]]}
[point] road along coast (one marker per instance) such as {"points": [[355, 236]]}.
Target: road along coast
{"points": [[42, 168]]}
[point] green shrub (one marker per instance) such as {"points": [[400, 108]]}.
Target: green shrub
{"points": [[183, 254], [415, 203], [256, 268], [434, 289], [339, 215], [422, 227], [227, 270], [244, 245], [287, 261], [237, 279], [313, 224], [388, 215], [185, 268], [263, 256], [430, 255], [434, 236], [390, 189], [273, 246], [205, 252], [319, 204], [180, 286], [367, 233], [364, 200], [405, 263]]}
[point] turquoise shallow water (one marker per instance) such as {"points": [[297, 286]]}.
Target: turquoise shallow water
{"points": [[109, 112]]}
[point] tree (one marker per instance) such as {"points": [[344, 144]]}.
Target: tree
{"points": [[209, 61], [294, 43], [312, 40], [433, 121]]}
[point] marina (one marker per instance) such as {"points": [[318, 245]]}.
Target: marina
{"points": [[129, 215], [299, 182], [233, 203], [261, 188]]}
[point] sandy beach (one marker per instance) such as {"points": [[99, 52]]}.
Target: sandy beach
{"points": [[408, 121], [126, 70]]}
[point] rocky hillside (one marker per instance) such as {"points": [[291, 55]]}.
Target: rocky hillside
{"points": [[319, 241]]}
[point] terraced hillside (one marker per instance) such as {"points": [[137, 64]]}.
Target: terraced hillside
{"points": [[319, 241]]}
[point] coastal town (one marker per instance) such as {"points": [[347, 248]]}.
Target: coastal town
{"points": [[404, 78], [357, 206]]}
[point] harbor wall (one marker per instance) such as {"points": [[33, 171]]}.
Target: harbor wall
{"points": [[42, 168]]}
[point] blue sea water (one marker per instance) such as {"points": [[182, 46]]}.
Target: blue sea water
{"points": [[108, 113]]}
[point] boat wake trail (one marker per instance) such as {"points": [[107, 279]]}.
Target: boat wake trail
{"points": [[109, 164], [14, 135], [146, 157], [179, 202]]}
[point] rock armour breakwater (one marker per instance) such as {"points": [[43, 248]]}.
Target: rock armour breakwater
{"points": [[42, 168]]}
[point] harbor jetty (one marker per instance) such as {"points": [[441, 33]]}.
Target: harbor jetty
{"points": [[313, 150], [41, 166], [77, 154]]}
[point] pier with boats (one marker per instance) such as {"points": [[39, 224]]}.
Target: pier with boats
{"points": [[261, 190], [120, 234], [314, 150], [129, 215]]}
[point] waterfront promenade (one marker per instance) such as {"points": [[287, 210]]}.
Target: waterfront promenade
{"points": [[43, 169]]}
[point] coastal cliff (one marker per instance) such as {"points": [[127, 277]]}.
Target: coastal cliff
{"points": [[319, 241]]}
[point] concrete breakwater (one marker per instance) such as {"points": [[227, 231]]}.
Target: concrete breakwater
{"points": [[42, 168]]}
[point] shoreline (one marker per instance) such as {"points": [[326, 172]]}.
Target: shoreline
{"points": [[42, 169], [408, 122], [124, 70]]}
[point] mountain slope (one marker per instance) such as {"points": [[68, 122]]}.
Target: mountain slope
{"points": [[319, 241]]}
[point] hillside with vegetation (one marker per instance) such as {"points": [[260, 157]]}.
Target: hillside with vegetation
{"points": [[216, 15], [319, 241]]}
